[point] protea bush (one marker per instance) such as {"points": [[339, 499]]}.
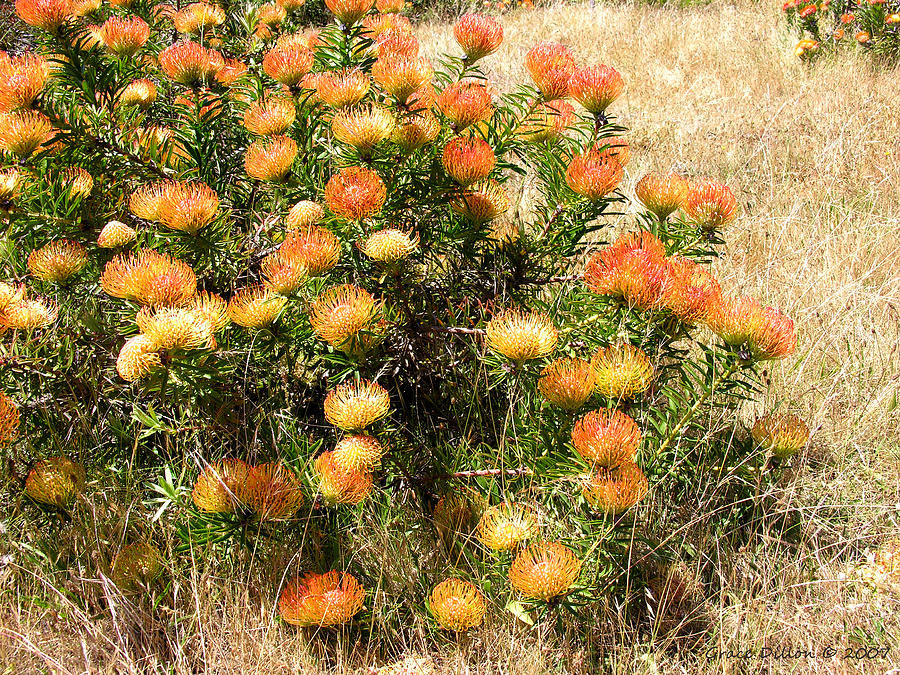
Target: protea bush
{"points": [[872, 26], [314, 301]]}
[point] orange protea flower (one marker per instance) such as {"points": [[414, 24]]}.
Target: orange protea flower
{"points": [[710, 204], [212, 308], [389, 246], [55, 481], [357, 405], [339, 485], [149, 278], [48, 15], [765, 331], [622, 371], [271, 14], [10, 185], [79, 182], [482, 202], [303, 214], [30, 314], [230, 72], [544, 570], [10, 295], [9, 420], [376, 25], [505, 526], [594, 175], [390, 6], [690, 291], [662, 193], [137, 359], [606, 437], [401, 76], [188, 207], [457, 605], [614, 490], [272, 491], [124, 36], [357, 453], [454, 512], [348, 318], [115, 234], [521, 335], [887, 557], [551, 66], [468, 160], [782, 434], [138, 564], [596, 87], [355, 193], [270, 159], [634, 269], [416, 131], [397, 43], [219, 487], [343, 88], [263, 32], [291, 5], [349, 11], [189, 63], [307, 252], [255, 307], [140, 93], [478, 35], [146, 200], [547, 121], [464, 103], [21, 80], [175, 328], [321, 599], [21, 133], [85, 7], [57, 261], [197, 17], [862, 37], [271, 115], [288, 64], [567, 382], [363, 127]]}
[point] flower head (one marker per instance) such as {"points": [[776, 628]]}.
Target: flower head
{"points": [[189, 63], [594, 174], [188, 207], [416, 131], [218, 488], [606, 437], [321, 599], [48, 15], [551, 66], [363, 127], [616, 489], [21, 133], [175, 328], [146, 200], [271, 14], [213, 308], [136, 565], [548, 120], [596, 87], [454, 512], [10, 184], [115, 234], [357, 453], [468, 160], [390, 6], [465, 102], [342, 88], [478, 35], [78, 181], [137, 359], [272, 491], [9, 420], [57, 261], [288, 64], [22, 78], [401, 76], [710, 204], [397, 43], [270, 159], [307, 252], [30, 314], [662, 193], [782, 434], [149, 278], [270, 115], [504, 526], [567, 383], [377, 25], [481, 202], [230, 72], [355, 193], [766, 332], [457, 605], [348, 318], [634, 269], [255, 307], [622, 371], [197, 17], [389, 246], [304, 214], [55, 481], [521, 335], [339, 484], [356, 405], [349, 12], [544, 570], [124, 36], [690, 291]]}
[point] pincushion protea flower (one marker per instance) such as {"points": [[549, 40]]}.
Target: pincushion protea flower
{"points": [[213, 308], [219, 487], [231, 72], [308, 252], [340, 485], [10, 185], [454, 512], [397, 43], [189, 63], [137, 359], [690, 291], [596, 87], [138, 564], [188, 207], [504, 526], [272, 491], [634, 269], [321, 599], [356, 405], [551, 66], [271, 14], [10, 294], [457, 605], [547, 120], [124, 36], [464, 103], [57, 261], [402, 76], [662, 193], [78, 181], [115, 234], [55, 481], [376, 25], [594, 174], [48, 15], [416, 131], [349, 12], [255, 307], [622, 371], [198, 16], [481, 202], [363, 127], [521, 335], [149, 278], [343, 88], [303, 214], [567, 383], [478, 35], [355, 193], [614, 490], [9, 420], [348, 318], [21, 133], [146, 200], [173, 328], [766, 332], [606, 437], [30, 314], [468, 160], [21, 80], [270, 115], [270, 159], [288, 64], [390, 6], [544, 570], [710, 204], [782, 434], [357, 453], [389, 246]]}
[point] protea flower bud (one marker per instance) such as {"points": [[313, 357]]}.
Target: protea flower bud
{"points": [[47, 15], [288, 64], [149, 278], [9, 420], [270, 115], [782, 434], [690, 292], [124, 36], [362, 127], [389, 246], [190, 64], [634, 269], [614, 490], [340, 485], [457, 605], [272, 491], [188, 207], [270, 159], [468, 160], [58, 261], [622, 371], [596, 87], [343, 87], [662, 193], [21, 80], [137, 359], [303, 214], [594, 175], [255, 307], [481, 202], [710, 204], [355, 193], [464, 103], [304, 253], [349, 12], [218, 488], [416, 131], [521, 335], [56, 481], [551, 66], [544, 570], [175, 328], [567, 383], [766, 332], [115, 234], [606, 437], [505, 526], [478, 35], [326, 599], [401, 76], [547, 121], [357, 453], [348, 318], [353, 406], [21, 133], [138, 564]]}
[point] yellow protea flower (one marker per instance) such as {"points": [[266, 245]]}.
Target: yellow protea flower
{"points": [[662, 193], [339, 485], [481, 202], [349, 12], [454, 512], [348, 318], [213, 308], [149, 278], [21, 133], [389, 246], [10, 294], [219, 487], [504, 526], [355, 193], [782, 434], [343, 88], [521, 335], [79, 182], [138, 564], [271, 115], [57, 261], [358, 452], [55, 481], [188, 207], [115, 234], [544, 570], [272, 491], [326, 599], [356, 405], [173, 328], [457, 605], [198, 16], [622, 371], [401, 76], [22, 78], [616, 489], [146, 200], [140, 93], [567, 383], [10, 185], [270, 159], [606, 437], [363, 127], [255, 307], [137, 358], [30, 314], [304, 214], [416, 131], [304, 253], [9, 420]]}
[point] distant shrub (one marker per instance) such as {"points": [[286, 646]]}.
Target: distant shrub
{"points": [[870, 25]]}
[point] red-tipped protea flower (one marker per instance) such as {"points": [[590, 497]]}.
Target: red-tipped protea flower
{"points": [[303, 214], [270, 159], [115, 234], [547, 120], [175, 328], [21, 133], [57, 261], [137, 359], [307, 252], [397, 43], [567, 383], [355, 193], [343, 87], [358, 452], [504, 526], [136, 565], [622, 371], [356, 405], [197, 17], [189, 63], [188, 207], [544, 570], [219, 487], [9, 420], [766, 332], [78, 181], [402, 76], [521, 335], [146, 200], [782, 434], [606, 437], [468, 160], [270, 115], [338, 484], [710, 204], [478, 35], [255, 307], [634, 269], [596, 87], [349, 11], [348, 318], [662, 193], [594, 174], [416, 131], [363, 127], [124, 36], [614, 490], [690, 292], [551, 66], [230, 72], [149, 278], [389, 246], [272, 491], [56, 481], [464, 103], [47, 15], [457, 605], [481, 202], [30, 314], [321, 599], [21, 80], [288, 64]]}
